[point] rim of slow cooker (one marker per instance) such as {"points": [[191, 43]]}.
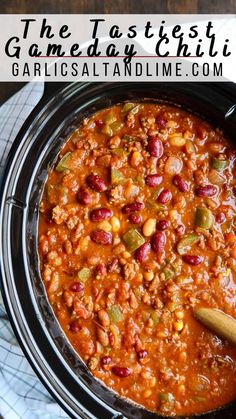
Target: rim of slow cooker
{"points": [[13, 172]]}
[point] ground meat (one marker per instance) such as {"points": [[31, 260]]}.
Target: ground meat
{"points": [[59, 214], [129, 270], [116, 194]]}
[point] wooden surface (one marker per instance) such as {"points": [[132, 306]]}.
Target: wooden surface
{"points": [[108, 6], [117, 6], [218, 322]]}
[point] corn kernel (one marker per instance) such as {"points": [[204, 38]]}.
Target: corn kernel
{"points": [[126, 254], [148, 275], [105, 225], [115, 223], [179, 314], [173, 215], [136, 158], [150, 322], [183, 357], [171, 124], [147, 393], [178, 325], [83, 244], [181, 389], [152, 382]]}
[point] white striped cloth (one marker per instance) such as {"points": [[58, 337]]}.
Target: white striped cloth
{"points": [[22, 395]]}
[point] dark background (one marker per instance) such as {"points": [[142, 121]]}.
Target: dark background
{"points": [[108, 6]]}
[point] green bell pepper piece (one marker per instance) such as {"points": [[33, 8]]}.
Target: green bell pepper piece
{"points": [[166, 397], [186, 242], [204, 218], [155, 317], [107, 130], [128, 106], [115, 314], [63, 163], [219, 165], [133, 239], [121, 153], [129, 138], [116, 176], [84, 274], [109, 118], [116, 127]]}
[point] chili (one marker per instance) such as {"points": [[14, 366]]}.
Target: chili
{"points": [[136, 230]]}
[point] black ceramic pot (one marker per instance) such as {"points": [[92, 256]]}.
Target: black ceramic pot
{"points": [[39, 141]]}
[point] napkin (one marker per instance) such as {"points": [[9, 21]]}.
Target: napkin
{"points": [[22, 395]]}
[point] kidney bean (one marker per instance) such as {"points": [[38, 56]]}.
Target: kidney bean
{"points": [[192, 259], [161, 121], [99, 214], [134, 207], [180, 183], [99, 123], [162, 224], [180, 229], [106, 360], [101, 269], [158, 241], [153, 180], [220, 217], [75, 327], [135, 218], [101, 237], [155, 147], [121, 371], [165, 196], [83, 196], [234, 190], [96, 183], [208, 190], [142, 354], [77, 286], [141, 253]]}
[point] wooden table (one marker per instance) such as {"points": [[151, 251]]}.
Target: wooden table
{"points": [[108, 6]]}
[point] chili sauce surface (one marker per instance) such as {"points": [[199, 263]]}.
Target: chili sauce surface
{"points": [[136, 231]]}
